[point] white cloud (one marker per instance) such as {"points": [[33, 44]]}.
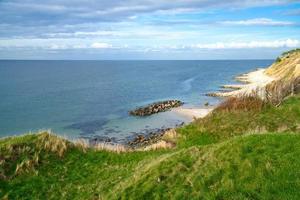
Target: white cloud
{"points": [[34, 12], [290, 43], [122, 33], [259, 22], [53, 44], [83, 34], [98, 45], [35, 6], [61, 44], [57, 47]]}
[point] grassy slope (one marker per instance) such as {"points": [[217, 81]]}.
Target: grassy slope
{"points": [[213, 159], [254, 167]]}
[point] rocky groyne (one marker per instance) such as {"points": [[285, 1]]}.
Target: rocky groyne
{"points": [[144, 140], [157, 107], [138, 140]]}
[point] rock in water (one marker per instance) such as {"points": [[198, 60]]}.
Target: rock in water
{"points": [[156, 108]]}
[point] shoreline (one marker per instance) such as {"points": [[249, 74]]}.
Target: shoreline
{"points": [[253, 82], [193, 113]]}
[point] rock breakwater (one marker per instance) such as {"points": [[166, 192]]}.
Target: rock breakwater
{"points": [[157, 107]]}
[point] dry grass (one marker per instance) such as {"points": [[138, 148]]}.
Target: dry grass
{"points": [[59, 145], [117, 148], [82, 144], [27, 165], [243, 103], [170, 135], [53, 143], [274, 93], [278, 90], [168, 141], [18, 157], [162, 144]]}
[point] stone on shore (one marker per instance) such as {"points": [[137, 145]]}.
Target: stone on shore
{"points": [[157, 107]]}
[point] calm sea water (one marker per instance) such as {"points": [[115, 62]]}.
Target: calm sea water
{"points": [[86, 98]]}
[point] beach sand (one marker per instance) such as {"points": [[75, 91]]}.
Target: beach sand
{"points": [[255, 81], [192, 113]]}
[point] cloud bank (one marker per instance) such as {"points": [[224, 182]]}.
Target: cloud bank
{"points": [[289, 43], [82, 44], [80, 11], [122, 27], [259, 22]]}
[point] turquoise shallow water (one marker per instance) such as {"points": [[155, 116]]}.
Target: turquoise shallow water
{"points": [[87, 98]]}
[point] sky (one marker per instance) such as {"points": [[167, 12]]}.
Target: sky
{"points": [[148, 29]]}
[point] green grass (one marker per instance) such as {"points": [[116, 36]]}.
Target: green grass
{"points": [[290, 52], [286, 54], [225, 124], [252, 167], [231, 154]]}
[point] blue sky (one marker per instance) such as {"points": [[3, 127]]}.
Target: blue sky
{"points": [[148, 29]]}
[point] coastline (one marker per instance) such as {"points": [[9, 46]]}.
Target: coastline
{"points": [[99, 114], [193, 113], [252, 82], [141, 141]]}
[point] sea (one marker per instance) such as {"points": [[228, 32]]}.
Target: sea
{"points": [[84, 99]]}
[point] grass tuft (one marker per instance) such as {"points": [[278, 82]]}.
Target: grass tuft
{"points": [[82, 144], [244, 103], [116, 148], [162, 144], [278, 90], [53, 143]]}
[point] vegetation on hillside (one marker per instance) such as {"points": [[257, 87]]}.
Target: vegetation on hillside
{"points": [[247, 148], [224, 155]]}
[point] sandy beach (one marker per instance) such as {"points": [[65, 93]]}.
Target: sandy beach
{"points": [[193, 112], [253, 82]]}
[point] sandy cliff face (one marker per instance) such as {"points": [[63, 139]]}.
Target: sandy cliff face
{"points": [[273, 84], [286, 67], [286, 74]]}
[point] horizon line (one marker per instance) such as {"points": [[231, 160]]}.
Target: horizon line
{"points": [[135, 59]]}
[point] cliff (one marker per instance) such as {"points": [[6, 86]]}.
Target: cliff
{"points": [[286, 67]]}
